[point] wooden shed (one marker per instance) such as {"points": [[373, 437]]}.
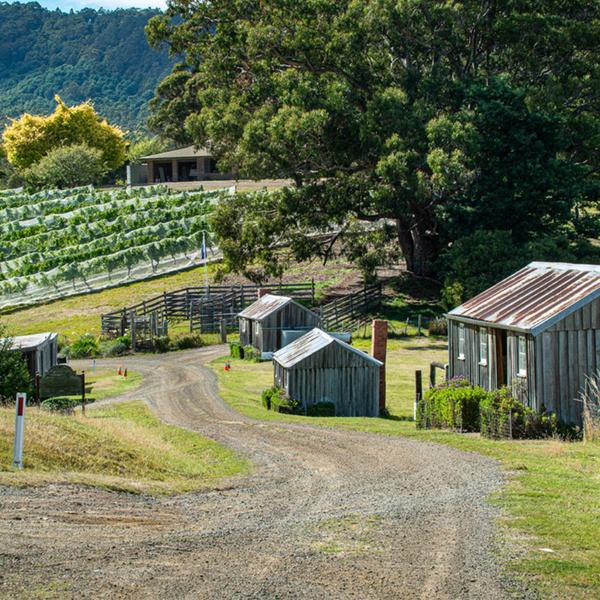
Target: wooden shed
{"points": [[39, 350], [320, 368], [262, 323], [538, 331]]}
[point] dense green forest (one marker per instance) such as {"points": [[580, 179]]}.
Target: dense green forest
{"points": [[98, 55]]}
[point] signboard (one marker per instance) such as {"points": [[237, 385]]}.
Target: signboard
{"points": [[60, 380]]}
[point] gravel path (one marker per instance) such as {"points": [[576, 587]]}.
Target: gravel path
{"points": [[324, 514]]}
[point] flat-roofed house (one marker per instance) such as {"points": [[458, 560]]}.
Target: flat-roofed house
{"points": [[39, 350], [537, 331], [183, 164]]}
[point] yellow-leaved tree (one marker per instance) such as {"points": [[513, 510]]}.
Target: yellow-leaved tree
{"points": [[30, 138]]}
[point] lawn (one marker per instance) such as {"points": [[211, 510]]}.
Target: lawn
{"points": [[120, 447], [76, 315], [106, 383], [551, 505]]}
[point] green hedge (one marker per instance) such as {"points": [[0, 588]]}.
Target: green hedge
{"points": [[453, 404], [274, 398], [236, 350], [63, 403]]}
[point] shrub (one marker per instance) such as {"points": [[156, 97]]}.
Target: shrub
{"points": [[251, 354], [438, 326], [84, 347], [187, 342], [61, 404], [67, 167], [161, 344], [274, 398], [236, 350], [321, 409], [504, 416], [453, 404], [125, 340], [113, 348], [14, 374]]}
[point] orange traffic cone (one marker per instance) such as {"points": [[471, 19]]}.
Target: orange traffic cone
{"points": [[120, 372], [125, 373]]}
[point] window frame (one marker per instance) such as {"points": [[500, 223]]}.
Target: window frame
{"points": [[521, 356], [462, 339], [483, 343]]}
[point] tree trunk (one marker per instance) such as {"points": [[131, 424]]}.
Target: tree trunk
{"points": [[418, 249]]}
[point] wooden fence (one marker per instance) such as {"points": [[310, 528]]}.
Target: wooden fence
{"points": [[352, 309], [202, 307]]}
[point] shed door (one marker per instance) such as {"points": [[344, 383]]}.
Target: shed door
{"points": [[501, 360]]}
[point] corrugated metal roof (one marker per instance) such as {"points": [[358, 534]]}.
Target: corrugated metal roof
{"points": [[28, 342], [534, 298], [264, 306], [187, 152], [312, 342]]}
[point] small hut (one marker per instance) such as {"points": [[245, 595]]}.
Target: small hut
{"points": [[320, 368], [538, 331], [40, 351], [262, 323]]}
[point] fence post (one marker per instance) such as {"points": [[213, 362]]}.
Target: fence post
{"points": [[419, 325], [133, 332], [223, 331], [418, 391], [431, 375], [510, 425]]}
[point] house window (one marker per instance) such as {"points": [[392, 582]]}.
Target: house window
{"points": [[483, 346], [461, 341], [522, 356]]}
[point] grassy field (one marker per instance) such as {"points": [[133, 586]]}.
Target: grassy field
{"points": [[551, 505], [74, 316], [120, 447], [106, 383]]}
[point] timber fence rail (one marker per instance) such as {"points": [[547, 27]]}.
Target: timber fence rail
{"points": [[193, 303], [350, 311]]}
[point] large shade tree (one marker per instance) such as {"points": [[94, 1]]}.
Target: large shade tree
{"points": [[403, 123]]}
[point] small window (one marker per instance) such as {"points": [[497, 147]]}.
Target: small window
{"points": [[522, 357], [483, 346], [461, 341]]}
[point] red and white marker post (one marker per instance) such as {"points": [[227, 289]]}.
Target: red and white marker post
{"points": [[19, 431]]}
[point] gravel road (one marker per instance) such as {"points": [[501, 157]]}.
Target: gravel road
{"points": [[324, 514]]}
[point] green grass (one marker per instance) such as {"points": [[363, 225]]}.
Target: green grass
{"points": [[120, 447], [107, 383], [552, 500]]}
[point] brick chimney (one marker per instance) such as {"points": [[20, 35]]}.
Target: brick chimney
{"points": [[262, 292], [379, 351]]}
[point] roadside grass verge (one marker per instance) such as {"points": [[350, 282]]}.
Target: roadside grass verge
{"points": [[551, 503], [121, 447], [106, 383]]}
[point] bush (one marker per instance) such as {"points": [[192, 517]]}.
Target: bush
{"points": [[161, 344], [125, 340], [61, 404], [251, 354], [187, 342], [438, 326], [67, 167], [453, 404], [113, 348], [274, 398], [236, 350], [84, 347], [321, 409], [504, 416], [14, 374]]}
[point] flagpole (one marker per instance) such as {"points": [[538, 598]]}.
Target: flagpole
{"points": [[205, 257]]}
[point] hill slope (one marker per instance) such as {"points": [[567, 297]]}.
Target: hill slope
{"points": [[97, 55]]}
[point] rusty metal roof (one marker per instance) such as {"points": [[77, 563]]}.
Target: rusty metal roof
{"points": [[264, 307], [312, 342], [534, 298]]}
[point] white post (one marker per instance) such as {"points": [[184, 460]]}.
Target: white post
{"points": [[204, 255], [19, 431]]}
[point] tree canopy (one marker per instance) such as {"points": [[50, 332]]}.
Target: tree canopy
{"points": [[30, 138], [406, 124]]}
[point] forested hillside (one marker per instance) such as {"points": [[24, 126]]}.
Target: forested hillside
{"points": [[97, 55]]}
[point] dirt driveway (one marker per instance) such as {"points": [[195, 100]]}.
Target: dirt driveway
{"points": [[324, 514]]}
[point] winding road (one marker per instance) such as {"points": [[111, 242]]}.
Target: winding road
{"points": [[324, 514]]}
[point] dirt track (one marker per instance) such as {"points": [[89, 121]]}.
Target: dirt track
{"points": [[325, 514]]}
